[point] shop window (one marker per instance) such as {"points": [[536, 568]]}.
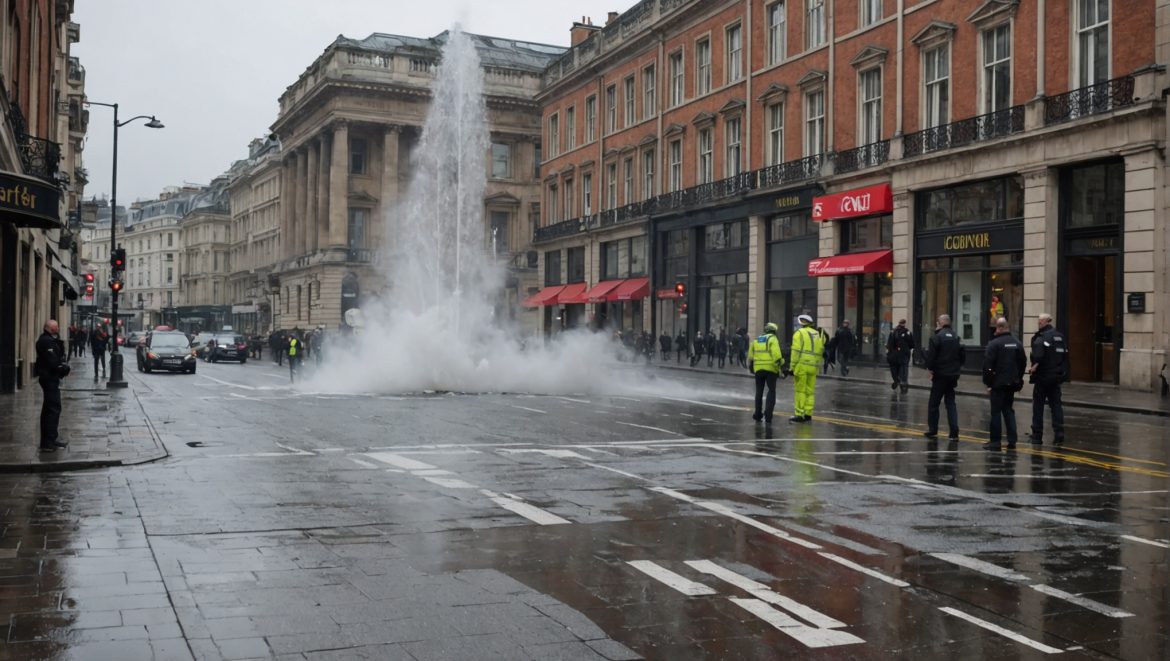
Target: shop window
{"points": [[992, 200], [1095, 195], [552, 268], [676, 255], [975, 290], [611, 266], [726, 236], [796, 226], [868, 234], [576, 265], [638, 255]]}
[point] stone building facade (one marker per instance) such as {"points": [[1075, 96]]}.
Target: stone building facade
{"points": [[870, 160], [153, 240], [348, 126], [205, 234], [254, 198]]}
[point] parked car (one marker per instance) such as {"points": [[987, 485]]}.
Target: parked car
{"points": [[199, 343], [228, 346], [133, 338], [168, 350]]}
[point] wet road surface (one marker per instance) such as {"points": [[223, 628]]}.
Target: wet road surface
{"points": [[658, 523]]}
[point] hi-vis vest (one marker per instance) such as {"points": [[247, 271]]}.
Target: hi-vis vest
{"points": [[808, 348], [292, 347], [766, 355]]}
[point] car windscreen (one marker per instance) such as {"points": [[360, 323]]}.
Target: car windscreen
{"points": [[170, 344]]}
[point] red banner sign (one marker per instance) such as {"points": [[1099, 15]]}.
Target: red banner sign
{"points": [[867, 201]]}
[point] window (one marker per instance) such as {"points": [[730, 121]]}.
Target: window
{"points": [[677, 75], [591, 118], [357, 156], [649, 95], [703, 67], [628, 181], [814, 123], [552, 267], [628, 99], [647, 174], [571, 128], [170, 275], [554, 135], [937, 70], [814, 24], [734, 148], [1092, 54], [871, 12], [638, 255], [725, 236], [868, 234], [356, 229], [871, 106], [611, 186], [587, 193], [499, 236], [997, 68], [611, 263], [777, 33], [570, 209], [1095, 195], [734, 53], [706, 157], [577, 264], [538, 160], [611, 109], [501, 160], [676, 165], [775, 134], [554, 203], [988, 201]]}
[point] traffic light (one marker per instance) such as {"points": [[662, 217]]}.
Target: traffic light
{"points": [[682, 309], [115, 285], [89, 280], [680, 288], [118, 259]]}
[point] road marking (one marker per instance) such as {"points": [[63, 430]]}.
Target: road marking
{"points": [[530, 512], [227, 383], [665, 431], [1028, 476], [764, 593], [864, 570], [431, 472], [728, 512], [614, 470], [857, 452], [449, 482], [1095, 606], [577, 401], [670, 579], [805, 635], [718, 406], [399, 461], [1001, 631], [451, 451], [363, 464], [293, 450], [1151, 542], [981, 566], [525, 408], [239, 396], [329, 449], [558, 454]]}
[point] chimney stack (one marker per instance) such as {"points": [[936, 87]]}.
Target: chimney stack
{"points": [[611, 18], [582, 31]]}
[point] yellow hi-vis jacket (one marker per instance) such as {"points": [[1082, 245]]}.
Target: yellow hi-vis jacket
{"points": [[808, 348], [765, 354], [292, 346]]}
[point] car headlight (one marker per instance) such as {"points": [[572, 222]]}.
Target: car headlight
{"points": [[151, 355]]}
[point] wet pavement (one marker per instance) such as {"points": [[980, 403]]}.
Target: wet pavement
{"points": [[658, 524]]}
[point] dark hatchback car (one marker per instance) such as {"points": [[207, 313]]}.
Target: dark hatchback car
{"points": [[168, 351], [228, 346]]}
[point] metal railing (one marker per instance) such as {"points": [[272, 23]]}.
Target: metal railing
{"points": [[965, 131], [790, 172], [859, 158], [1091, 100], [359, 255], [39, 157], [561, 229]]}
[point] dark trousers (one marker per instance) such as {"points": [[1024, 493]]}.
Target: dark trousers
{"points": [[293, 364], [900, 371], [50, 410], [765, 378], [665, 355], [843, 361], [722, 360], [942, 388], [280, 358], [678, 356], [99, 356], [1047, 393], [1002, 400], [710, 359]]}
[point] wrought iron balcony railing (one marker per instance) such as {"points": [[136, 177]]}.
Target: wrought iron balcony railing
{"points": [[965, 131], [561, 229], [1091, 100], [859, 158], [39, 157], [790, 172], [359, 255]]}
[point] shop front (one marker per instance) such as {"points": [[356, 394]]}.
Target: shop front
{"points": [[792, 242], [864, 264], [969, 246]]}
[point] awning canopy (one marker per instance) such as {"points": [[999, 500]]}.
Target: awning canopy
{"points": [[631, 290], [572, 294], [597, 293], [546, 296], [663, 294], [878, 261]]}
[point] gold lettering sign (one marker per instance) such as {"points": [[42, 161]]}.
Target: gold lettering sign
{"points": [[788, 201], [967, 241], [1101, 244], [19, 197]]}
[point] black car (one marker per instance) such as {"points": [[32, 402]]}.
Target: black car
{"points": [[168, 351], [227, 346]]}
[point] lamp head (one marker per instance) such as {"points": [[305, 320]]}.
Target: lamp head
{"points": [[154, 123]]}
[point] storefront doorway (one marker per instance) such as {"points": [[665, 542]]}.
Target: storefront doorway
{"points": [[1094, 322], [867, 302], [724, 300]]}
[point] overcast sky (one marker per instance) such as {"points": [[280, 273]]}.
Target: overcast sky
{"points": [[212, 70]]}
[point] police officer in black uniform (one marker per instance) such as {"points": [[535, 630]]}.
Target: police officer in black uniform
{"points": [[1048, 370], [945, 356], [1004, 364], [52, 366]]}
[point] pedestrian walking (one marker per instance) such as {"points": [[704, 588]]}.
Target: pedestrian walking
{"points": [[1004, 364], [664, 346], [743, 346], [829, 359], [808, 349], [721, 348], [766, 361], [680, 345], [709, 348], [899, 347], [294, 354], [697, 352], [1048, 370], [945, 356], [82, 340], [844, 344], [99, 343], [52, 366]]}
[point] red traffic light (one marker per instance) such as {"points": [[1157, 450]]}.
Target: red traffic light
{"points": [[89, 290], [680, 289], [118, 259], [682, 308], [89, 278], [115, 285]]}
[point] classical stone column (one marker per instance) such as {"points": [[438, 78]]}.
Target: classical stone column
{"points": [[757, 273], [339, 185], [311, 218], [300, 217], [1144, 272], [286, 207], [1041, 235], [827, 243], [389, 189], [904, 263], [322, 227]]}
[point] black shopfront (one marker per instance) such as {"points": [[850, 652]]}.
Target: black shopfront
{"points": [[792, 238], [969, 244]]}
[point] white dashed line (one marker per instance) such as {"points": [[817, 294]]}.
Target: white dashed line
{"points": [[363, 464], [670, 579], [864, 570], [399, 461], [525, 408], [664, 431], [1007, 633], [1151, 542], [764, 593], [981, 567], [530, 512], [808, 636]]}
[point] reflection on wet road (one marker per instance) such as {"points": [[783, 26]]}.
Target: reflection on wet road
{"points": [[661, 523]]}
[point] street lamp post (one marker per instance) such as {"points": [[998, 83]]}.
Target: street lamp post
{"points": [[117, 379]]}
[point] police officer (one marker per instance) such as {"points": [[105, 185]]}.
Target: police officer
{"points": [[766, 361], [52, 366], [808, 349], [899, 346], [1048, 370], [294, 353], [1003, 374], [945, 356]]}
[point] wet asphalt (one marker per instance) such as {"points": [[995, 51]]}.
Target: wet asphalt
{"points": [[653, 521]]}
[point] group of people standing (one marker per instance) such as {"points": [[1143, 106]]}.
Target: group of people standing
{"points": [[723, 349], [295, 346]]}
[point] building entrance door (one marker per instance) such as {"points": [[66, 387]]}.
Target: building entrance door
{"points": [[1094, 324]]}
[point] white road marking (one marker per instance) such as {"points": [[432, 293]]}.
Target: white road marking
{"points": [[857, 452], [558, 454], [448, 482], [670, 579], [614, 470], [764, 593], [807, 636], [577, 401], [628, 399], [981, 566], [329, 449], [597, 450], [718, 406], [1151, 542], [239, 396], [431, 472], [273, 376], [530, 512], [864, 570], [293, 450], [1000, 630], [363, 464], [1028, 476], [525, 408], [399, 461], [451, 451], [1095, 606], [227, 383], [674, 494], [665, 431]]}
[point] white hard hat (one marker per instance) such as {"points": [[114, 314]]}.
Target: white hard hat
{"points": [[804, 319]]}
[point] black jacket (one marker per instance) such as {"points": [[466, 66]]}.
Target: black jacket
{"points": [[899, 345], [945, 353], [1004, 363], [680, 342], [99, 342], [1049, 355], [844, 342], [721, 346], [50, 356]]}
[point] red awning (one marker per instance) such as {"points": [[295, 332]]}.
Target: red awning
{"points": [[880, 261], [664, 294], [572, 294], [597, 293], [546, 296], [631, 290]]}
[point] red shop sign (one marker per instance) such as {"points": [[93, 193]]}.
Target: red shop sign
{"points": [[866, 201]]}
